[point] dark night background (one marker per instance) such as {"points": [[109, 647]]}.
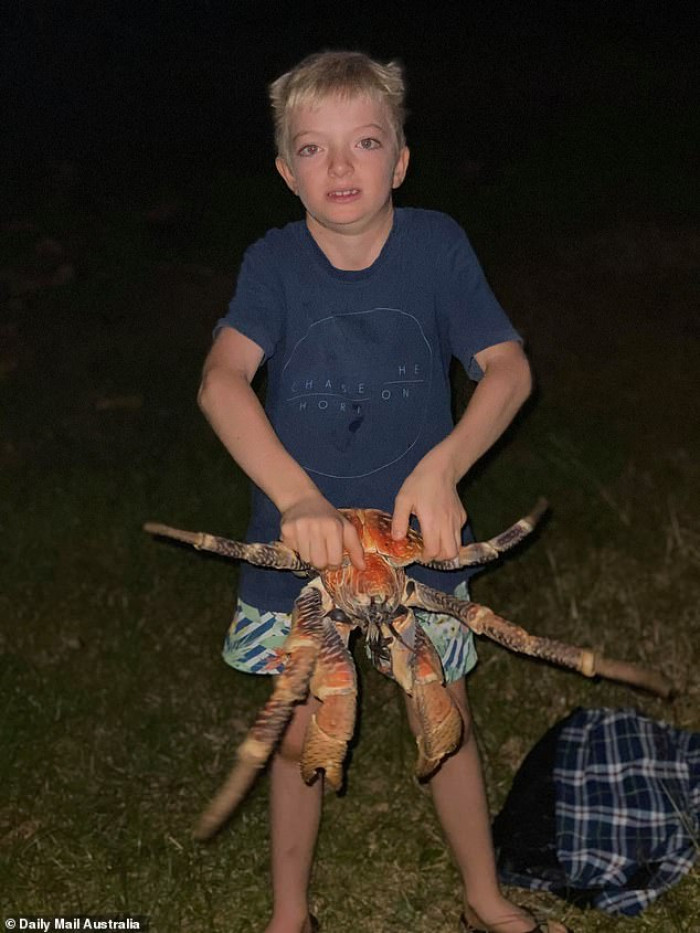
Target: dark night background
{"points": [[136, 164], [142, 96]]}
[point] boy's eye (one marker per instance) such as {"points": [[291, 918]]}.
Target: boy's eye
{"points": [[308, 150], [369, 143]]}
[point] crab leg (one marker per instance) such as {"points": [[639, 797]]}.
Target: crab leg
{"points": [[395, 659], [291, 687], [483, 621], [275, 555], [334, 683], [482, 552], [439, 719]]}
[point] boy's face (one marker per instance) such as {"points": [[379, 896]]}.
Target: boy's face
{"points": [[344, 163]]}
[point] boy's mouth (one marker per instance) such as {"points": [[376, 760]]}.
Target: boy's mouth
{"points": [[343, 194]]}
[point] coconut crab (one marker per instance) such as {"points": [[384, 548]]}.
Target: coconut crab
{"points": [[379, 601]]}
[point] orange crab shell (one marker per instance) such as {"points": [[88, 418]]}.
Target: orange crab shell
{"points": [[380, 582], [374, 530]]}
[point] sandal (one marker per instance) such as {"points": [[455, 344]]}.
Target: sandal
{"points": [[541, 926]]}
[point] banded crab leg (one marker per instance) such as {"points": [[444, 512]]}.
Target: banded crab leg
{"points": [[483, 621], [276, 555], [334, 683], [291, 687], [482, 552]]}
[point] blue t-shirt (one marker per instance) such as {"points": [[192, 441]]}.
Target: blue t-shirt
{"points": [[358, 364]]}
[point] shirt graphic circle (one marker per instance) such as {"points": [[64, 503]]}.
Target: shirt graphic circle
{"points": [[355, 391]]}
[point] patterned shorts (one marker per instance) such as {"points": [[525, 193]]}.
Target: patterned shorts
{"points": [[254, 640]]}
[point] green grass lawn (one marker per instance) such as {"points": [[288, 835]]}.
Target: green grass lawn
{"points": [[120, 719]]}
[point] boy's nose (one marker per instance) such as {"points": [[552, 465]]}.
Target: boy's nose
{"points": [[339, 164]]}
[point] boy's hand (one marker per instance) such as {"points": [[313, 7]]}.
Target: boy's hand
{"points": [[319, 533], [430, 493]]}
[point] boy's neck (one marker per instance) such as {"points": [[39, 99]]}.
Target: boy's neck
{"points": [[352, 250]]}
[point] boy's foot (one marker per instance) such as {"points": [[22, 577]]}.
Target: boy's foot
{"points": [[311, 925], [473, 924]]}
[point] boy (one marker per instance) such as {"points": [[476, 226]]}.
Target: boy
{"points": [[358, 311]]}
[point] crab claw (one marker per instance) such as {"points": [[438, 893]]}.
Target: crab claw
{"points": [[440, 722], [442, 727], [324, 750], [331, 727]]}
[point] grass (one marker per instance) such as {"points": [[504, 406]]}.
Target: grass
{"points": [[119, 719]]}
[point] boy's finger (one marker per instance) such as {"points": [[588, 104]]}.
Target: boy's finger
{"points": [[292, 541], [449, 544], [353, 546], [334, 546], [318, 556], [431, 545], [400, 520]]}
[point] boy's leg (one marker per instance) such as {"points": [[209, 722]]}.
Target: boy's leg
{"points": [[295, 813], [460, 800]]}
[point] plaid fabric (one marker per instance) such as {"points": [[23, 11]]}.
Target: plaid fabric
{"points": [[627, 809], [254, 640]]}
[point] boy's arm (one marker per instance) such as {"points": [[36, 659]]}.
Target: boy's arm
{"points": [[430, 490], [309, 523]]}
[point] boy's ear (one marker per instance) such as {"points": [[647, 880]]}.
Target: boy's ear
{"points": [[286, 173], [401, 167]]}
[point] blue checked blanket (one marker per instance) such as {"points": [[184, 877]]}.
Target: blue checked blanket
{"points": [[605, 811]]}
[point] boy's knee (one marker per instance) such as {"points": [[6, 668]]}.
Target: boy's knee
{"points": [[291, 745], [458, 691], [291, 748]]}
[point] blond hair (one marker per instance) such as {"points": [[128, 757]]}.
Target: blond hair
{"points": [[347, 74]]}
